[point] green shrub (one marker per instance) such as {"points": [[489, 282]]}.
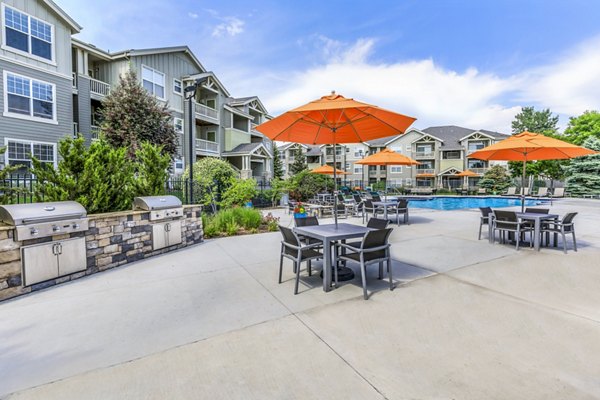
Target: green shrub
{"points": [[213, 177], [239, 192], [305, 185], [232, 228], [248, 218]]}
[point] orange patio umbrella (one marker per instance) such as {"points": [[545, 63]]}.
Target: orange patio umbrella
{"points": [[528, 146], [466, 174], [327, 170], [387, 157], [335, 119]]}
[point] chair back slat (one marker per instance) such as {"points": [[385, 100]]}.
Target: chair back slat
{"points": [[502, 215], [485, 211], [402, 203], [308, 221], [537, 210], [376, 238], [289, 236], [568, 218]]}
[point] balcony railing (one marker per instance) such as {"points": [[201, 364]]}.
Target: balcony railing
{"points": [[95, 131], [424, 154], [205, 111], [425, 171], [99, 87], [207, 146], [377, 173]]}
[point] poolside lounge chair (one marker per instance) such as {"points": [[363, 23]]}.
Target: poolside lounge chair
{"points": [[542, 192], [525, 191], [558, 192], [564, 226], [481, 191], [374, 249], [511, 191], [292, 248]]}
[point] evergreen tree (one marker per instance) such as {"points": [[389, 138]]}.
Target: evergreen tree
{"points": [[277, 164], [131, 116], [299, 163], [583, 174], [495, 180]]}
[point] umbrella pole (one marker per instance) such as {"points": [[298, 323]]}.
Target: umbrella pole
{"points": [[523, 183], [334, 183]]}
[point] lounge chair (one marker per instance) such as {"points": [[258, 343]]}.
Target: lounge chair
{"points": [[511, 191], [525, 191], [542, 192], [481, 191], [558, 192]]}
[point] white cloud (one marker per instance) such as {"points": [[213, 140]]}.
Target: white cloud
{"points": [[231, 25], [192, 15], [439, 96]]}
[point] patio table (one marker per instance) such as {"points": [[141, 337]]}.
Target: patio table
{"points": [[537, 218], [328, 234]]}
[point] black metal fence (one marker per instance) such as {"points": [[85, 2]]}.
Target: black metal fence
{"points": [[18, 189]]}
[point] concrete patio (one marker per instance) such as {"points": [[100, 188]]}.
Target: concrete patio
{"points": [[467, 320]]}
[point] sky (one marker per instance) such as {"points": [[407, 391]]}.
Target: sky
{"points": [[472, 63]]}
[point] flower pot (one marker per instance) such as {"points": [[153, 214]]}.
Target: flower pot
{"points": [[300, 215]]}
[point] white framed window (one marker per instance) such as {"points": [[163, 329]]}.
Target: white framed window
{"points": [[408, 148], [27, 98], [26, 34], [178, 124], [19, 152], [347, 166], [408, 181], [396, 169], [358, 169], [177, 87], [153, 81]]}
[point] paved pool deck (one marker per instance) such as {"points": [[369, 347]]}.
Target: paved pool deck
{"points": [[467, 320]]}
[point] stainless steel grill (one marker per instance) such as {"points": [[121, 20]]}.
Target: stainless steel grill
{"points": [[160, 207], [37, 220]]}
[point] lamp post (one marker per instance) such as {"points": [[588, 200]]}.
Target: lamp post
{"points": [[190, 93], [362, 156]]}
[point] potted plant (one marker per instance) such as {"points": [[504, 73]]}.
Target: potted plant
{"points": [[299, 211]]}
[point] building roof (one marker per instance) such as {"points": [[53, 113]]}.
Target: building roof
{"points": [[242, 101], [75, 27], [313, 151], [212, 76], [246, 148], [452, 135], [382, 142], [159, 50]]}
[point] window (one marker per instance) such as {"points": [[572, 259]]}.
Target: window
{"points": [[397, 149], [28, 97], [19, 152], [358, 152], [177, 88], [451, 155], [408, 148], [153, 81], [473, 163], [425, 149], [27, 34], [178, 123], [396, 169], [346, 166], [476, 145], [358, 169], [408, 181]]}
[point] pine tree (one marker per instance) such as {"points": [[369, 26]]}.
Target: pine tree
{"points": [[495, 180], [277, 164], [583, 174], [131, 115], [299, 163]]}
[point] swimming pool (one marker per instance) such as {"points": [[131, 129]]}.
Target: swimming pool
{"points": [[459, 202]]}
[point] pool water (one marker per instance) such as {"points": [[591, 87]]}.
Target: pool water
{"points": [[458, 202]]}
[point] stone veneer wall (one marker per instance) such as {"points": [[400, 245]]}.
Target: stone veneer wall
{"points": [[112, 239]]}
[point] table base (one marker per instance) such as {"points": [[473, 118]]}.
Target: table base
{"points": [[344, 274]]}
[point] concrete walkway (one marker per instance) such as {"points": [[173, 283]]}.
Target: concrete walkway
{"points": [[467, 320]]}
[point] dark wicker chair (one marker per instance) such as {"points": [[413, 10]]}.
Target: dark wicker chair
{"points": [[562, 227], [484, 219], [507, 222]]}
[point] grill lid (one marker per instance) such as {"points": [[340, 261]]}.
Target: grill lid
{"points": [[155, 202], [26, 214]]}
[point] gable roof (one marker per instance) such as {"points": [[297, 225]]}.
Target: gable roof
{"points": [[159, 50], [452, 135], [247, 148], [75, 27], [242, 101], [213, 77]]}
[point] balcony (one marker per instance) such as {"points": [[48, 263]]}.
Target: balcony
{"points": [[424, 171], [424, 154], [207, 146], [99, 88], [377, 173], [95, 131], [479, 171], [206, 113]]}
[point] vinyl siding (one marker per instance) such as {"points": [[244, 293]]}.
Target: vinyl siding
{"points": [[62, 38], [33, 130], [84, 107]]}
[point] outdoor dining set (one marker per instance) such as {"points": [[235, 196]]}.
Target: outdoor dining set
{"points": [[538, 223]]}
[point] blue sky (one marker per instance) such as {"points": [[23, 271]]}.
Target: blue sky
{"points": [[470, 63]]}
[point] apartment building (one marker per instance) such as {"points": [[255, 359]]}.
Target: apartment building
{"points": [[63, 81], [442, 152], [35, 63]]}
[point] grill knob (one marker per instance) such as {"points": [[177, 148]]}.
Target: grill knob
{"points": [[55, 228], [75, 226], [34, 231]]}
